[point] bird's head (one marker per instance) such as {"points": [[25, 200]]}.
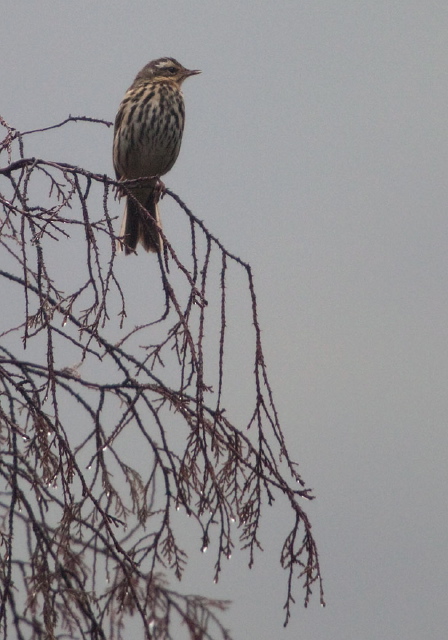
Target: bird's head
{"points": [[165, 69]]}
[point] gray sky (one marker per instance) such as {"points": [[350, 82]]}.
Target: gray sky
{"points": [[316, 149]]}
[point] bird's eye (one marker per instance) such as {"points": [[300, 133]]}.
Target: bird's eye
{"points": [[172, 69]]}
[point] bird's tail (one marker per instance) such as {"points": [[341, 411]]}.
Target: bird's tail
{"points": [[139, 226]]}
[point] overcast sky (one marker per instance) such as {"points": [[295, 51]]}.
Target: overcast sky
{"points": [[316, 149]]}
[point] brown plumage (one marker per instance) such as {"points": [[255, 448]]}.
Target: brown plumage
{"points": [[147, 138]]}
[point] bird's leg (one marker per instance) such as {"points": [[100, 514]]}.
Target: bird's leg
{"points": [[159, 190]]}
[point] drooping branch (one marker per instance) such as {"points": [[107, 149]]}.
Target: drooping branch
{"points": [[108, 432]]}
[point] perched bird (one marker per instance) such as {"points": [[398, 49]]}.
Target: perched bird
{"points": [[147, 137]]}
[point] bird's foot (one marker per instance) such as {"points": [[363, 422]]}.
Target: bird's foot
{"points": [[159, 190]]}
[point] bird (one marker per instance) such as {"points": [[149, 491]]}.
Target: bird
{"points": [[147, 137]]}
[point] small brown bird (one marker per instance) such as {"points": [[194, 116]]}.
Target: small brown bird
{"points": [[147, 137]]}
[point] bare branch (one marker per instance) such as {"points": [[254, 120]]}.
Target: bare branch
{"points": [[117, 438]]}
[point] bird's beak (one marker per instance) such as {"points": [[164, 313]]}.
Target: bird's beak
{"points": [[191, 72]]}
